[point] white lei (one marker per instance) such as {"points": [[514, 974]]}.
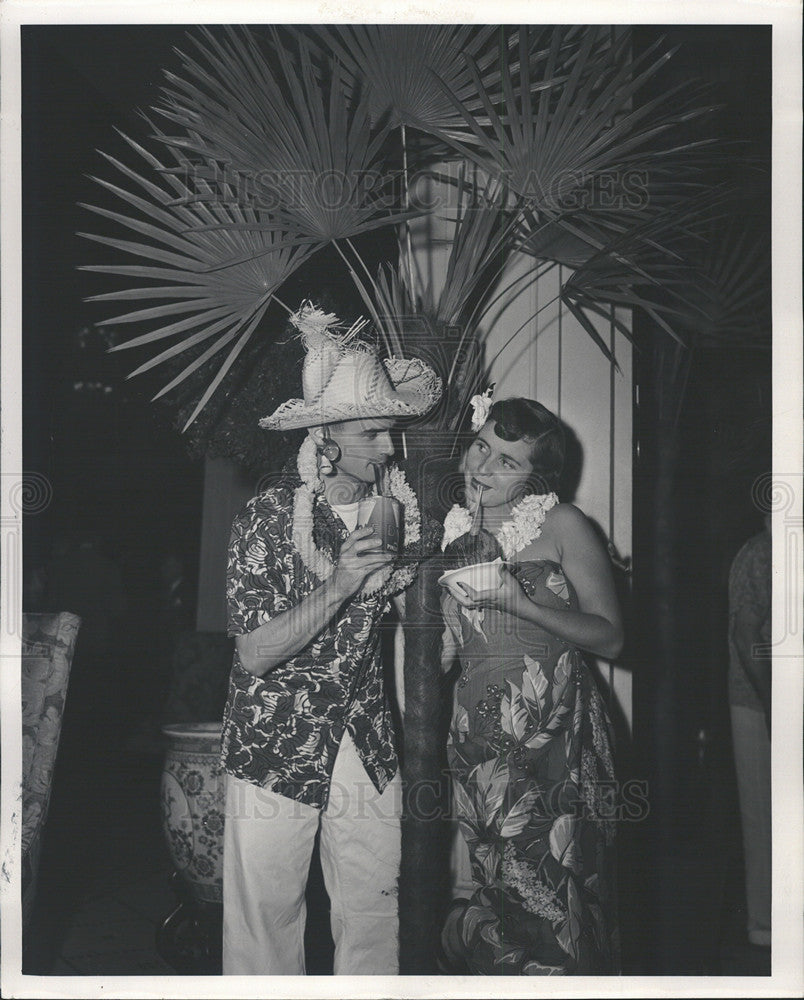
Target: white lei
{"points": [[527, 518], [319, 562]]}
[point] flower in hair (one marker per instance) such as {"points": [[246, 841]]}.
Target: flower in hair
{"points": [[481, 404]]}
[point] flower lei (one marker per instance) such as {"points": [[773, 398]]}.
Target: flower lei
{"points": [[527, 518], [318, 561]]}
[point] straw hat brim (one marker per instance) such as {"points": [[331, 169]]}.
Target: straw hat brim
{"points": [[417, 388]]}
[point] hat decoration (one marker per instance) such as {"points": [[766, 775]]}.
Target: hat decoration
{"points": [[343, 378]]}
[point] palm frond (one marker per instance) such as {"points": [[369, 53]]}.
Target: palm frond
{"points": [[392, 64], [584, 125], [484, 223], [303, 150], [735, 290], [285, 140], [649, 267], [195, 278], [483, 226]]}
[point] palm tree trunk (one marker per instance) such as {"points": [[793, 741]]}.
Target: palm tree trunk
{"points": [[424, 874], [657, 727]]}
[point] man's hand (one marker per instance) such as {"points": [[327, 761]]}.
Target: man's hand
{"points": [[359, 558], [277, 640]]}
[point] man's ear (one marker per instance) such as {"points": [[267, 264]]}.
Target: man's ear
{"points": [[317, 434]]}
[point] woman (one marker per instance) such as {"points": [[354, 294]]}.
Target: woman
{"points": [[530, 747]]}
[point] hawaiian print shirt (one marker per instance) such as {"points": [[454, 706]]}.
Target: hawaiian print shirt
{"points": [[749, 597], [282, 731]]}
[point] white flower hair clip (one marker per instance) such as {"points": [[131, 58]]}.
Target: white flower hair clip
{"points": [[481, 406]]}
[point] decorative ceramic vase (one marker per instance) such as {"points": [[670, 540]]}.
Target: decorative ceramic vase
{"points": [[193, 806]]}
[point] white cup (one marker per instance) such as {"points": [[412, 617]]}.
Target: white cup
{"points": [[478, 576]]}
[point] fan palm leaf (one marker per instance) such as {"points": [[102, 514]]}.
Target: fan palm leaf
{"points": [[189, 266], [485, 223], [649, 267], [394, 64], [302, 148], [482, 230], [583, 124], [735, 291]]}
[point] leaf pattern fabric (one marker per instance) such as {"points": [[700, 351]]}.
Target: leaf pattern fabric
{"points": [[530, 757], [283, 730]]}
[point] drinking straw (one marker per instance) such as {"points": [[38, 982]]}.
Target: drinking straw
{"points": [[477, 516], [378, 478]]}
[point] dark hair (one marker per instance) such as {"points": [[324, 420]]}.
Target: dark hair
{"points": [[519, 419]]}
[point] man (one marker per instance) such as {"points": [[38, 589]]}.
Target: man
{"points": [[307, 738], [750, 704]]}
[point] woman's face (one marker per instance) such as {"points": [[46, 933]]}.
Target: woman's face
{"points": [[497, 469]]}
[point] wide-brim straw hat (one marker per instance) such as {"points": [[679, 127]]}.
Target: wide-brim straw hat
{"points": [[342, 380]]}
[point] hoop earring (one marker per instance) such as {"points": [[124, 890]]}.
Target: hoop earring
{"points": [[329, 453]]}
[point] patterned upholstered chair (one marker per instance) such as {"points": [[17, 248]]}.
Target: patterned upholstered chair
{"points": [[48, 644]]}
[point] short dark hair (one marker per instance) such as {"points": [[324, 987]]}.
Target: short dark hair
{"points": [[519, 419]]}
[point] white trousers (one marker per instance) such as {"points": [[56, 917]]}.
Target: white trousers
{"points": [[268, 843], [752, 760]]}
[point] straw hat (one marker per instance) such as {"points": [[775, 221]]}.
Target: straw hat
{"points": [[344, 379]]}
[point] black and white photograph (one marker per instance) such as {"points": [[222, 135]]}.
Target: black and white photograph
{"points": [[401, 500]]}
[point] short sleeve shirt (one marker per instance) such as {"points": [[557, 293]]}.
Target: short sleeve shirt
{"points": [[750, 593], [282, 731]]}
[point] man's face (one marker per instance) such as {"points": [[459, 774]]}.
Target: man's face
{"points": [[363, 443]]}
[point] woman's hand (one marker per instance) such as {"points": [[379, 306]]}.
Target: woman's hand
{"points": [[507, 597]]}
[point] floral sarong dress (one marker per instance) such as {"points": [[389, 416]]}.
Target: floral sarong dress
{"points": [[533, 779]]}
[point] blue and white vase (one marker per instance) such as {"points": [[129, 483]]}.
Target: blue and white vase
{"points": [[193, 806]]}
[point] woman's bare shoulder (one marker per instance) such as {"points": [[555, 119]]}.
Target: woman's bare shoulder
{"points": [[568, 528], [566, 516]]}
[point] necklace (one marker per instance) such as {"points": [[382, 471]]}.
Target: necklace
{"points": [[320, 562], [514, 535]]}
